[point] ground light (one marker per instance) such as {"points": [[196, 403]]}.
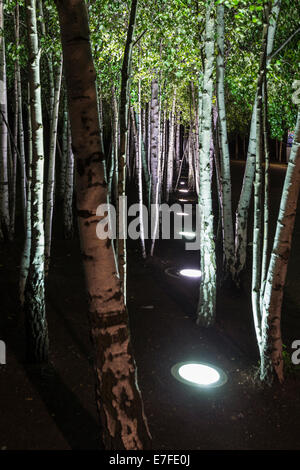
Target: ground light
{"points": [[199, 374], [190, 272], [188, 235]]}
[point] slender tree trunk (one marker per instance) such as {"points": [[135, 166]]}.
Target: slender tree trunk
{"points": [[245, 197], [4, 190], [154, 158], [64, 149], [257, 223], [49, 60], [25, 260], [271, 348], [119, 401], [266, 188], [68, 198], [207, 299], [123, 116], [22, 159], [34, 304], [51, 168], [170, 168], [226, 213], [14, 151], [140, 172]]}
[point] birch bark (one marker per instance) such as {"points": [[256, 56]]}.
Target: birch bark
{"points": [[271, 347], [207, 298], [34, 304], [118, 397]]}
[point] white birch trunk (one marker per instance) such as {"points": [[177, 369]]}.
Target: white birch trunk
{"points": [[34, 304], [68, 197], [25, 260], [123, 424], [245, 197], [271, 348], [51, 168], [4, 190], [170, 167], [226, 208], [207, 299]]}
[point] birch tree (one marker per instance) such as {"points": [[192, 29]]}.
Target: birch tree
{"points": [[171, 147], [123, 120], [246, 192], [225, 177], [257, 223], [207, 298], [154, 158], [118, 397], [68, 196], [51, 167], [34, 304], [4, 190], [271, 340]]}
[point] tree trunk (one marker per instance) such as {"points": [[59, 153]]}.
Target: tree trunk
{"points": [[226, 212], [257, 222], [118, 398], [271, 348], [245, 197], [68, 197], [22, 159], [4, 190], [34, 304], [154, 158], [25, 260], [207, 299], [123, 117], [51, 168], [170, 168]]}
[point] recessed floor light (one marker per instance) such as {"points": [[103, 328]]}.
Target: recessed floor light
{"points": [[190, 272], [199, 374], [189, 235]]}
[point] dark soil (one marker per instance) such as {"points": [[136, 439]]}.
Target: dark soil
{"points": [[54, 408]]}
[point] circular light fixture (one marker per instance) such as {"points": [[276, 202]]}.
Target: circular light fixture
{"points": [[182, 182], [188, 235], [198, 374], [190, 273]]}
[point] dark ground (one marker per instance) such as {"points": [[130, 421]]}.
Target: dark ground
{"points": [[57, 410]]}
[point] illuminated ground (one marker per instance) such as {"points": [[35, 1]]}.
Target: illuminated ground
{"points": [[57, 411]]}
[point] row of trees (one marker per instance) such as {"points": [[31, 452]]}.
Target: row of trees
{"points": [[151, 86]]}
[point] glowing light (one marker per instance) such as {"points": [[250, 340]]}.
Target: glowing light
{"points": [[200, 375], [183, 190], [190, 272], [188, 235], [182, 182], [183, 200], [182, 213]]}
